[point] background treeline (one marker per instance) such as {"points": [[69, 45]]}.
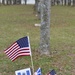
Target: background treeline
{"points": [[63, 2], [53, 2]]}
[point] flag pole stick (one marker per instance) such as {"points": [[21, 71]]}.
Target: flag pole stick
{"points": [[32, 64], [31, 56]]}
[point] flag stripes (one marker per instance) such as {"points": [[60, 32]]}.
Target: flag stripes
{"points": [[18, 48]]}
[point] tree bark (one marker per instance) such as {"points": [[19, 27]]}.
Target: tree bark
{"points": [[36, 5], [45, 27], [63, 2], [60, 2], [56, 2], [66, 2], [71, 2], [25, 2]]}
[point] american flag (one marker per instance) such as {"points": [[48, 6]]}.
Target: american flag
{"points": [[19, 48], [38, 72], [52, 72]]}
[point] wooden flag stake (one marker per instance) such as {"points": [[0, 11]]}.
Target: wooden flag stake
{"points": [[31, 56]]}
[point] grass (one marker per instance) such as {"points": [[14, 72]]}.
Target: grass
{"points": [[17, 21]]}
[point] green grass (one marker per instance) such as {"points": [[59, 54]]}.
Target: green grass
{"points": [[17, 21]]}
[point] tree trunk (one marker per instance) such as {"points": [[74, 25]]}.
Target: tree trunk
{"points": [[60, 2], [71, 2], [66, 2], [45, 27], [0, 2], [25, 2], [36, 5], [63, 2], [55, 2]]}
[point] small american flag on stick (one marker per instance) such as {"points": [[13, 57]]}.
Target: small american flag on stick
{"points": [[52, 72], [19, 48]]}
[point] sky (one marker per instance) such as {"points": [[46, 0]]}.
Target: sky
{"points": [[30, 1]]}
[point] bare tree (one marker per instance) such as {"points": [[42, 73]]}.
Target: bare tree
{"points": [[0, 2], [36, 5], [25, 2], [45, 27], [71, 2], [66, 2], [63, 2]]}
